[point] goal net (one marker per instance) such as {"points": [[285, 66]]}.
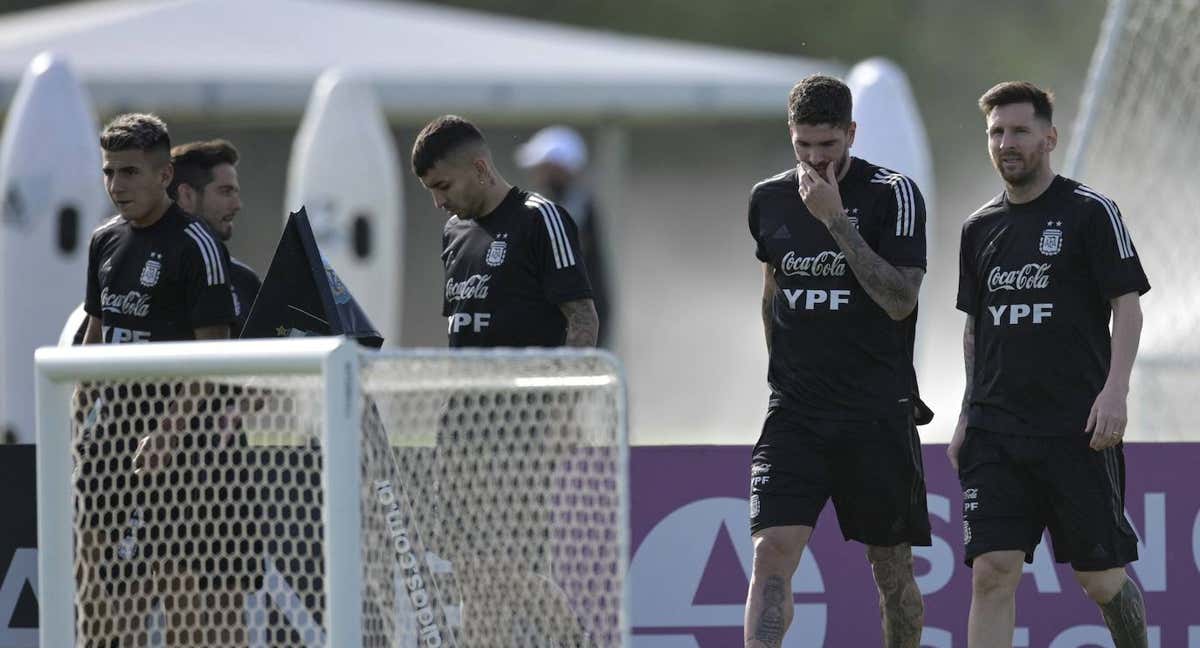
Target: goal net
{"points": [[306, 493], [1136, 140]]}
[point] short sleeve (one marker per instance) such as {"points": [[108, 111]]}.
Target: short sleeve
{"points": [[557, 254], [968, 280], [207, 297], [1113, 259], [760, 251], [902, 233], [91, 298]]}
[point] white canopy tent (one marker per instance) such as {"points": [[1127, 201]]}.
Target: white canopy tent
{"points": [[256, 57], [679, 133]]}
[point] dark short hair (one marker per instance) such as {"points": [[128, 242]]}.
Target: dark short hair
{"points": [[819, 99], [440, 138], [194, 163], [1016, 92], [137, 131]]}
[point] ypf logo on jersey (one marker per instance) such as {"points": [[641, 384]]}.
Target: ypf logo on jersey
{"points": [[496, 252], [1051, 241], [152, 270]]}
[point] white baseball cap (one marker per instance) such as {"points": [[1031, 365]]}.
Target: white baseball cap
{"points": [[559, 145]]}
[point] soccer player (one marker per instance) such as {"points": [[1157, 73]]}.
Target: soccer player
{"points": [[514, 273], [206, 186], [154, 274], [842, 243], [1044, 266], [514, 277]]}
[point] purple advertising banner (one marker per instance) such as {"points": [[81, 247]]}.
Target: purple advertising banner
{"points": [[692, 554]]}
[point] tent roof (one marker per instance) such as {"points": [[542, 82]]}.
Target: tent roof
{"points": [[262, 56]]}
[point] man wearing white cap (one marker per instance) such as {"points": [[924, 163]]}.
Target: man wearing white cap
{"points": [[555, 158]]}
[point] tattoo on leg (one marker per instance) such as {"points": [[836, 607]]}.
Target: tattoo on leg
{"points": [[900, 602], [771, 623], [1125, 616]]}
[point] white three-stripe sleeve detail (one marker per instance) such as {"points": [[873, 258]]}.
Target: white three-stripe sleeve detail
{"points": [[218, 265], [562, 233], [906, 203], [564, 255], [912, 206], [900, 205], [212, 254], [204, 253], [558, 259], [1123, 231], [1124, 244]]}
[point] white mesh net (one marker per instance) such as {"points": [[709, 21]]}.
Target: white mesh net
{"points": [[491, 506], [514, 467], [1139, 150]]}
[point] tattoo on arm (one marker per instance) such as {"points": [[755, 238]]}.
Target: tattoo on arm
{"points": [[1125, 616], [900, 602], [772, 623], [583, 325], [894, 289]]}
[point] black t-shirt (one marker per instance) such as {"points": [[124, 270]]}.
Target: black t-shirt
{"points": [[506, 274], [835, 353], [245, 284], [1038, 278], [157, 283]]}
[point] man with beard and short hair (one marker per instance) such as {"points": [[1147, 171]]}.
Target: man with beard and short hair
{"points": [[206, 186], [842, 242], [514, 277], [1044, 267]]}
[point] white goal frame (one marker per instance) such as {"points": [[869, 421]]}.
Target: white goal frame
{"points": [[336, 361]]}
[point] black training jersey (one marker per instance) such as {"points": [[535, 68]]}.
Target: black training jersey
{"points": [[1037, 277], [835, 353], [506, 274], [245, 284], [157, 283]]}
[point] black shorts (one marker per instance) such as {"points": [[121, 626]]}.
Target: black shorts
{"points": [[872, 470], [1015, 487]]}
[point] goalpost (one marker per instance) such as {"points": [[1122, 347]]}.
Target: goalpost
{"points": [[308, 492], [1136, 139]]}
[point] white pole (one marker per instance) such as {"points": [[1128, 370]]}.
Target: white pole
{"points": [[1097, 82], [56, 563], [342, 483]]}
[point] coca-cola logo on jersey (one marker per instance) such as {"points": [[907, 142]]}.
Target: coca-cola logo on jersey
{"points": [[1032, 276], [132, 303], [473, 287], [825, 264]]}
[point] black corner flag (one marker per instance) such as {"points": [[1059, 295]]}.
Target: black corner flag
{"points": [[302, 295]]}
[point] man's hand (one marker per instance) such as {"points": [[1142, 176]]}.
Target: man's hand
{"points": [[820, 194], [1106, 422]]}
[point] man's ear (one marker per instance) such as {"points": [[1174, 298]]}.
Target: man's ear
{"points": [[1052, 139], [166, 174], [185, 197], [850, 131], [483, 171]]}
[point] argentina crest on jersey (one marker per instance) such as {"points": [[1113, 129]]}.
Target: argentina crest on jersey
{"points": [[1051, 241], [152, 270], [496, 252]]}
